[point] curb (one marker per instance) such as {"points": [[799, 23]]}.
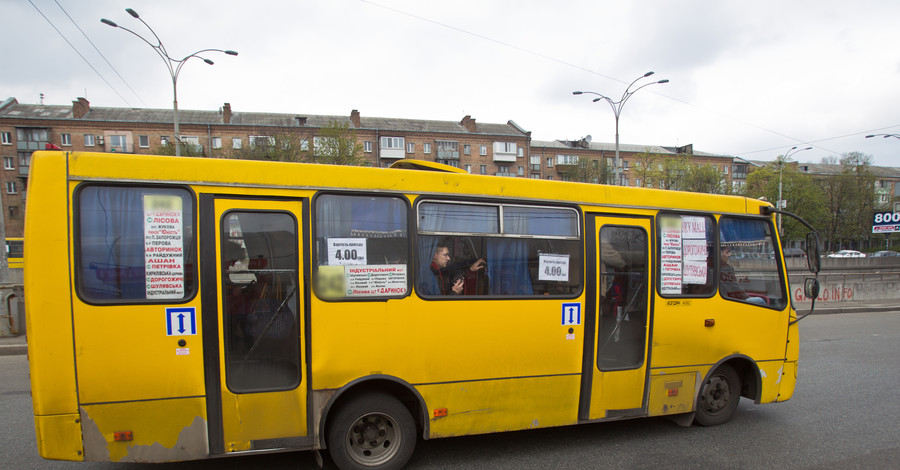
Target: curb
{"points": [[849, 309], [13, 350]]}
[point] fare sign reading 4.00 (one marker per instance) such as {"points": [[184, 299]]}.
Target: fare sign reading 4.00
{"points": [[163, 246]]}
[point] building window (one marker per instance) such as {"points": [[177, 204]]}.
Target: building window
{"points": [[520, 170], [216, 142], [66, 139], [9, 163], [304, 145], [144, 141], [482, 150], [392, 143], [410, 147], [426, 148], [447, 150], [483, 169], [163, 140], [118, 143], [367, 146], [89, 140], [520, 152], [10, 187], [549, 162], [467, 149], [260, 141], [236, 143], [6, 137], [468, 168]]}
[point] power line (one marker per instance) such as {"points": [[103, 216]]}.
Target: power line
{"points": [[103, 56], [79, 53], [584, 69]]}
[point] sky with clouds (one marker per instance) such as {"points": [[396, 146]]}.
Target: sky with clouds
{"points": [[751, 79]]}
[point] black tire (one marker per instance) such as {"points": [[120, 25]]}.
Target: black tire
{"points": [[372, 431], [719, 397]]}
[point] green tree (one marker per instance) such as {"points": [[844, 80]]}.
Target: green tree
{"points": [[799, 189], [336, 145], [644, 169], [704, 179], [589, 171], [671, 172]]}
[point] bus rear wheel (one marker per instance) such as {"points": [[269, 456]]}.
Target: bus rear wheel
{"points": [[374, 431], [719, 397]]}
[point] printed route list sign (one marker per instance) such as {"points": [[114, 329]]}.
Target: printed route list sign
{"points": [[163, 246]]}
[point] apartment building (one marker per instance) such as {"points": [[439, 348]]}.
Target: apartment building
{"points": [[552, 160], [480, 148]]}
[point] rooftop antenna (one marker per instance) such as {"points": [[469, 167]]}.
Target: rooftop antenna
{"points": [[42, 99]]}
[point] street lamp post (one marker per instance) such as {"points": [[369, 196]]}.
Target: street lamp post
{"points": [[173, 65], [617, 111], [780, 206]]}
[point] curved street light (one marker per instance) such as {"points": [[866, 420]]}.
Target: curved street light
{"points": [[791, 151], [172, 65], [617, 111], [896, 136]]}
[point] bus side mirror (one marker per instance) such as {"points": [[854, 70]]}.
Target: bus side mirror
{"points": [[812, 252], [811, 288]]}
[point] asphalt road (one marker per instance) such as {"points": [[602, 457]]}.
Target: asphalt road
{"points": [[845, 414]]}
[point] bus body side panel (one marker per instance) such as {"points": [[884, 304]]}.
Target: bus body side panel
{"points": [[492, 365], [49, 316]]}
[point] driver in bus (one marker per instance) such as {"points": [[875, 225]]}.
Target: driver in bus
{"points": [[449, 281], [728, 283]]}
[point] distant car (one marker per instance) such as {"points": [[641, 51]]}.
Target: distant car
{"points": [[794, 253], [847, 254], [879, 254]]}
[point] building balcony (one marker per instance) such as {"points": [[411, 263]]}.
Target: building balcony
{"points": [[448, 155], [508, 174], [120, 148]]}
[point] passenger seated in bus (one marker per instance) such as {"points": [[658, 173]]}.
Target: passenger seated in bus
{"points": [[728, 283], [450, 280]]}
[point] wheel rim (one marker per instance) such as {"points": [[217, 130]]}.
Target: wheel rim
{"points": [[373, 439], [716, 395]]}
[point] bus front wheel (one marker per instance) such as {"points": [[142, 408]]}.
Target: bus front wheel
{"points": [[719, 397], [372, 431]]}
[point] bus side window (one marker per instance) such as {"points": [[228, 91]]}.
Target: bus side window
{"points": [[463, 250], [686, 255], [361, 246]]}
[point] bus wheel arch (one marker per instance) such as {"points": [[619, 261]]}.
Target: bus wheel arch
{"points": [[720, 392], [375, 388]]}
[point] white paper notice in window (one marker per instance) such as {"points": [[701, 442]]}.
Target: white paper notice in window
{"points": [[163, 246], [346, 251], [553, 267], [670, 256]]}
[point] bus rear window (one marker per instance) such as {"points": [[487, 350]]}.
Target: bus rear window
{"points": [[134, 244]]}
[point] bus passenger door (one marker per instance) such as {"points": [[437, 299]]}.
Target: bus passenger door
{"points": [[262, 364], [614, 377]]}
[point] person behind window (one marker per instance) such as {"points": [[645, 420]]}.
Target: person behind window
{"points": [[728, 283], [447, 279]]}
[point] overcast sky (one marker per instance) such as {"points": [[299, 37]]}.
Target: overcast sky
{"points": [[751, 79]]}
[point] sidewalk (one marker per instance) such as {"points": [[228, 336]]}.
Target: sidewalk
{"points": [[16, 345]]}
